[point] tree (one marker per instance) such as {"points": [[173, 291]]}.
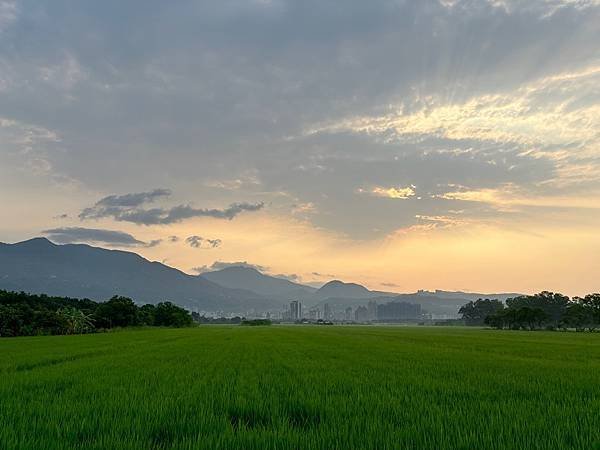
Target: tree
{"points": [[11, 322], [169, 315], [77, 322], [592, 304], [553, 304], [117, 312], [517, 318], [530, 317], [475, 313], [147, 315]]}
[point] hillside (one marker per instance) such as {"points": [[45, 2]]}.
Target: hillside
{"points": [[339, 289], [239, 277], [77, 270]]}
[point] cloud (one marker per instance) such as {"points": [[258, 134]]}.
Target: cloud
{"points": [[202, 243], [127, 208], [391, 192], [173, 239], [324, 275], [300, 122], [220, 265], [289, 277], [131, 200], [8, 13], [68, 235], [509, 197]]}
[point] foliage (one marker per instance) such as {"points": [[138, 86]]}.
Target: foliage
{"points": [[256, 322], [169, 315], [117, 312], [76, 321], [553, 304], [216, 320], [147, 315], [301, 388], [23, 314], [474, 313], [546, 310]]}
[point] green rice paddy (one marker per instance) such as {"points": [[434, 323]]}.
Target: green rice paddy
{"points": [[301, 387]]}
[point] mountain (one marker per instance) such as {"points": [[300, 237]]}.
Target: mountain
{"points": [[340, 290], [78, 270], [239, 277]]}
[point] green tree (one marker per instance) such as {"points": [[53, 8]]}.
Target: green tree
{"points": [[475, 313], [117, 312], [147, 315], [553, 304], [530, 318], [11, 321], [169, 315], [592, 304]]}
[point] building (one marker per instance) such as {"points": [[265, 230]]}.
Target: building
{"points": [[372, 310], [296, 310], [348, 316], [314, 314], [398, 311], [361, 314], [327, 315]]}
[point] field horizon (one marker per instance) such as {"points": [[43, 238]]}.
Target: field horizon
{"points": [[222, 386]]}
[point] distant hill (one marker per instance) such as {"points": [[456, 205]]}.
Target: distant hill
{"points": [[240, 277], [339, 289], [341, 295], [77, 270]]}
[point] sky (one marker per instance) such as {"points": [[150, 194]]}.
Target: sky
{"points": [[402, 144]]}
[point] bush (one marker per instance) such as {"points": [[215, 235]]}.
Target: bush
{"points": [[256, 322], [169, 315]]}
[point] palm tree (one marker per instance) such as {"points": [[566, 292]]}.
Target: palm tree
{"points": [[77, 321]]}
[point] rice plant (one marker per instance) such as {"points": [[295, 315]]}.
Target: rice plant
{"points": [[292, 387]]}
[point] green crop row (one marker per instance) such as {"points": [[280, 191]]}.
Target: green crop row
{"points": [[295, 387]]}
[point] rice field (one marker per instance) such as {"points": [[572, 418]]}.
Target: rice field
{"points": [[301, 387]]}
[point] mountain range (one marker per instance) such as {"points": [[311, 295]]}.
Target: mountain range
{"points": [[84, 271]]}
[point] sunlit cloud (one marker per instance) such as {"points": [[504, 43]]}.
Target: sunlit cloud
{"points": [[398, 193], [554, 111], [509, 196]]}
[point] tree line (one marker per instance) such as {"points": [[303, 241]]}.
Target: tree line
{"points": [[24, 314], [546, 310]]}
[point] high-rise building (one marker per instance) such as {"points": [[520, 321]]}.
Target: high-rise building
{"points": [[361, 314], [296, 309], [398, 311], [348, 317], [372, 310], [314, 314], [327, 312]]}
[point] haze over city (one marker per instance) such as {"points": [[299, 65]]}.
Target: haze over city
{"points": [[402, 145]]}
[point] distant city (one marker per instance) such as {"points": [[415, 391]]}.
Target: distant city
{"points": [[371, 312]]}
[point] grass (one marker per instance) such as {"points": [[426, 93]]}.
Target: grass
{"points": [[301, 387]]}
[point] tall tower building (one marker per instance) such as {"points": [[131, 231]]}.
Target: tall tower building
{"points": [[327, 312], [296, 309], [372, 310]]}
